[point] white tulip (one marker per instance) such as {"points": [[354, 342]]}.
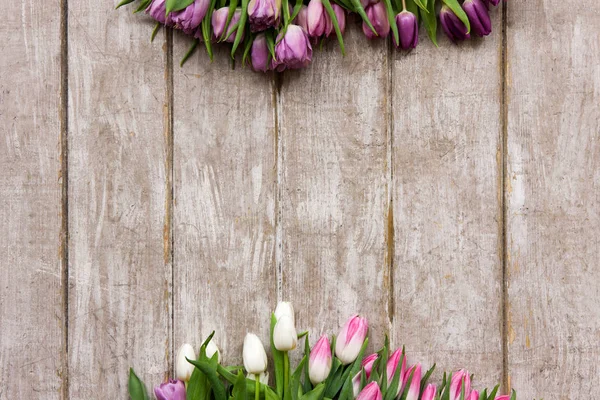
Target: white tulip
{"points": [[211, 349], [284, 308], [183, 368], [262, 378], [285, 337], [255, 358]]}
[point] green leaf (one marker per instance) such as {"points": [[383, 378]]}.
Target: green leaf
{"points": [[392, 19], [316, 393], [513, 395], [271, 47], [462, 389], [307, 385], [295, 12], [155, 31], [426, 378], [412, 6], [137, 390], [392, 390], [358, 8], [207, 29], [241, 27], [270, 394], [421, 5], [336, 25], [247, 47], [211, 373], [285, 7], [198, 387], [446, 384], [228, 376], [176, 5], [239, 391], [143, 5], [232, 7], [277, 360], [123, 3], [407, 385], [295, 379], [189, 53], [430, 21], [334, 381], [484, 395], [460, 13], [493, 392]]}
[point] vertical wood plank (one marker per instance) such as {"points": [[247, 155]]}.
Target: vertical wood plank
{"points": [[333, 186], [553, 195], [447, 171], [31, 295], [224, 215], [119, 304]]}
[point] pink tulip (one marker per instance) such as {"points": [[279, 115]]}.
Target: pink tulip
{"points": [[340, 15], [429, 392], [370, 392], [503, 397], [219, 19], [171, 390], [351, 339], [379, 19], [317, 18], [189, 18], [367, 365], [263, 14], [473, 396], [392, 366], [319, 362], [292, 50], [457, 382], [259, 54], [415, 383]]}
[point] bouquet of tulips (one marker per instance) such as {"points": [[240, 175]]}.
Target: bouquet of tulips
{"points": [[276, 35], [320, 375]]}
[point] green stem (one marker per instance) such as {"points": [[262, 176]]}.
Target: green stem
{"points": [[256, 387], [286, 375]]}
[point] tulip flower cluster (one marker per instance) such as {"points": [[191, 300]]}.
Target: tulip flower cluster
{"points": [[276, 35], [335, 368]]}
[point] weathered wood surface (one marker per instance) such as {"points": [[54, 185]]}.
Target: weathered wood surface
{"points": [[553, 198], [381, 183], [119, 264], [333, 186], [224, 201], [446, 186], [31, 295]]}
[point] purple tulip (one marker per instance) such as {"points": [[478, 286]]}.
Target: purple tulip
{"points": [[157, 10], [408, 30], [172, 390], [219, 19], [316, 18], [452, 25], [190, 17], [492, 2], [366, 3], [479, 17], [379, 19], [259, 54], [293, 50], [263, 14], [340, 15], [302, 18]]}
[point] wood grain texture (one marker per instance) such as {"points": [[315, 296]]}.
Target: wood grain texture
{"points": [[119, 264], [31, 305], [553, 196], [446, 199], [333, 202], [224, 193]]}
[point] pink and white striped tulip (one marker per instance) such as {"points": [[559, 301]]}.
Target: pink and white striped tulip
{"points": [[456, 384], [351, 339], [428, 392], [319, 362], [370, 392], [367, 365], [415, 383], [473, 396]]}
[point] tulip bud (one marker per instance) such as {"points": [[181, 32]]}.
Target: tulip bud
{"points": [[479, 17], [190, 17], [429, 392], [457, 382], [211, 349], [316, 18], [378, 17], [392, 366], [351, 339], [370, 392], [219, 19], [293, 50], [415, 383], [255, 358], [302, 18], [367, 365], [263, 377], [263, 14], [452, 25], [157, 10], [340, 15], [473, 396], [183, 368], [408, 30], [171, 390], [285, 337], [319, 362], [259, 54], [284, 308]]}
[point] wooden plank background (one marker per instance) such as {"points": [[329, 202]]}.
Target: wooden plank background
{"points": [[451, 195]]}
